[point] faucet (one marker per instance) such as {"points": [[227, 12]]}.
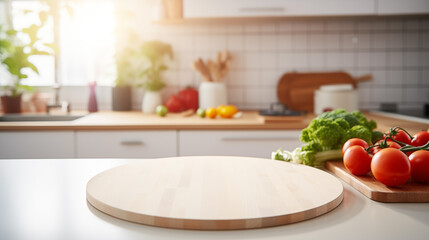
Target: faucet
{"points": [[64, 105]]}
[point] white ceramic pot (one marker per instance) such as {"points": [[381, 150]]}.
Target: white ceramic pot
{"points": [[150, 101], [334, 97], [212, 94]]}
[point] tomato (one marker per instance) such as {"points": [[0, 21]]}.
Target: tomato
{"points": [[391, 167], [408, 153], [174, 104], [402, 136], [353, 142], [357, 160], [420, 139], [390, 144], [189, 98], [211, 112], [227, 111], [419, 161]]}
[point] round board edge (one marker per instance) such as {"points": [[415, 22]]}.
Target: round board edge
{"points": [[212, 224]]}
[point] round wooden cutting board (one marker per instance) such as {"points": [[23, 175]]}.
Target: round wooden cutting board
{"points": [[214, 193]]}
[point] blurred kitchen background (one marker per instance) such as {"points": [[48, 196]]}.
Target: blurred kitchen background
{"points": [[393, 47]]}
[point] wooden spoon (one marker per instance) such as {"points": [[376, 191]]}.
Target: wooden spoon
{"points": [[202, 68]]}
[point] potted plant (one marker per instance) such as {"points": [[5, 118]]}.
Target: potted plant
{"points": [[15, 57], [154, 52]]}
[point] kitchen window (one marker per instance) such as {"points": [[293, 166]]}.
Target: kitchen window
{"points": [[86, 41]]}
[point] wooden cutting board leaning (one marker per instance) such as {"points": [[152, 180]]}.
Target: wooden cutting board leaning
{"points": [[296, 90], [214, 193]]}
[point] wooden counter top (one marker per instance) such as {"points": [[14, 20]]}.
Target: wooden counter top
{"points": [[250, 120], [108, 120]]}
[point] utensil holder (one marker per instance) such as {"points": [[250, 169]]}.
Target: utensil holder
{"points": [[212, 94]]}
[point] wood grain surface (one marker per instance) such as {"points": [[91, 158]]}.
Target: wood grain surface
{"points": [[296, 90], [375, 190], [282, 119], [214, 193], [135, 120]]}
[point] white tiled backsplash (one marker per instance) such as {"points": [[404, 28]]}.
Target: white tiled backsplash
{"points": [[394, 50]]}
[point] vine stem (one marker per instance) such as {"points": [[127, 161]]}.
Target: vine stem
{"points": [[393, 131], [409, 148]]}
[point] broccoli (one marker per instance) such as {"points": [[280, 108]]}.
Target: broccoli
{"points": [[358, 131], [377, 136], [325, 136], [371, 125], [281, 155], [340, 114], [326, 132]]}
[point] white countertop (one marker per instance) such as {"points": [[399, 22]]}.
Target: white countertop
{"points": [[46, 199]]}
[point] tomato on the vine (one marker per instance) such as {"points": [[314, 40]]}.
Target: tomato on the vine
{"points": [[419, 161], [402, 136], [420, 139], [391, 144], [354, 142], [391, 167], [357, 160]]}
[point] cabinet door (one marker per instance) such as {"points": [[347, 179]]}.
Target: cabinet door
{"points": [[126, 144], [236, 143], [276, 8], [37, 144], [391, 7], [331, 7]]}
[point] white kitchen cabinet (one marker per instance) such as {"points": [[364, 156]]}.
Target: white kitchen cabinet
{"points": [[126, 144], [251, 143], [276, 8], [37, 144], [393, 7]]}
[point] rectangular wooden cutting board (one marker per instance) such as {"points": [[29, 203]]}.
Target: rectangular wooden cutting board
{"points": [[373, 189]]}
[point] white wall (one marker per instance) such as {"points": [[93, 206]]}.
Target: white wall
{"points": [[395, 50]]}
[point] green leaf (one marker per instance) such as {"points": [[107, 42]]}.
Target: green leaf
{"points": [[22, 76], [11, 32], [37, 52], [51, 46], [43, 15], [5, 46], [12, 65], [32, 32], [26, 88], [32, 67]]}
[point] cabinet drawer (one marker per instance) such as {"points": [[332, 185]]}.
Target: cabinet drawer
{"points": [[392, 7], [236, 143], [126, 144], [37, 144], [276, 8]]}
